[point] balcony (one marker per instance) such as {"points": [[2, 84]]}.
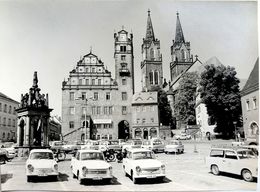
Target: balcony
{"points": [[124, 72]]}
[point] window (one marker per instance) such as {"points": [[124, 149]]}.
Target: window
{"points": [[110, 136], [105, 110], [95, 95], [110, 110], [98, 110], [107, 95], [93, 110], [5, 108], [151, 77], [254, 103], [137, 120], [72, 110], [217, 153], [10, 109], [152, 120], [4, 121], [99, 81], [98, 137], [0, 106], [71, 96], [247, 105], [143, 108], [124, 110], [93, 81], [3, 134], [87, 70], [71, 124], [124, 96], [182, 55], [123, 57], [83, 95], [80, 81], [98, 126], [13, 122], [138, 108], [14, 111], [122, 48], [123, 81], [93, 70], [8, 135], [152, 54], [87, 81], [230, 155], [143, 120], [9, 122], [105, 126], [156, 77]]}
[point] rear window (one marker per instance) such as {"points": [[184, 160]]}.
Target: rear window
{"points": [[217, 153], [113, 142], [137, 142], [157, 142]]}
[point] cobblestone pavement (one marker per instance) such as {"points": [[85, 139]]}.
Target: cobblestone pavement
{"points": [[185, 172]]}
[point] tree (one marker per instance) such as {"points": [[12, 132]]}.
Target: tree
{"points": [[220, 92], [185, 99], [165, 111]]}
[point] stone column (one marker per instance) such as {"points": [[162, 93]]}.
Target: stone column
{"points": [[26, 131], [18, 131]]}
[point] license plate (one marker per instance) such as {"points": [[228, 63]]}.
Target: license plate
{"points": [[97, 178], [42, 174], [151, 176]]}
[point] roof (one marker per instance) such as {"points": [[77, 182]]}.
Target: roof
{"points": [[252, 83], [149, 29], [144, 98], [8, 98], [179, 37], [41, 150]]}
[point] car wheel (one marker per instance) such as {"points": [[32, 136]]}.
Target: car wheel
{"points": [[133, 178], [247, 175], [214, 169], [79, 179]]}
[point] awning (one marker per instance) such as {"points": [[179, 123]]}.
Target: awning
{"points": [[102, 121]]}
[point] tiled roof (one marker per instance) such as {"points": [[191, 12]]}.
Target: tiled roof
{"points": [[252, 83]]}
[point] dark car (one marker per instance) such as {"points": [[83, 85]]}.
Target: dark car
{"points": [[3, 155]]}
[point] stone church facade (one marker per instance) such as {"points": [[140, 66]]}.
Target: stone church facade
{"points": [[90, 93]]}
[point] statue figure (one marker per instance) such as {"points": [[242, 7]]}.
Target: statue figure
{"points": [[35, 79]]}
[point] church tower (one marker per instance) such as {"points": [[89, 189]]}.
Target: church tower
{"points": [[151, 65], [180, 53], [124, 60]]}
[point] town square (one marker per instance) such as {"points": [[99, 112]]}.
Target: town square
{"points": [[129, 95]]}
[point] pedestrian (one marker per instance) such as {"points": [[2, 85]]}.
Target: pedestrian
{"points": [[238, 136]]}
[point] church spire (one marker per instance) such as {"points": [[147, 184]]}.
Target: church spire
{"points": [[179, 37], [149, 28]]}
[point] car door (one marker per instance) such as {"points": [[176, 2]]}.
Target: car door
{"points": [[230, 161], [127, 161]]}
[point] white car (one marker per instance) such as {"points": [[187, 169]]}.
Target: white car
{"points": [[130, 144], [90, 145], [90, 164], [41, 163], [141, 163], [156, 145], [236, 161], [174, 146], [183, 136]]}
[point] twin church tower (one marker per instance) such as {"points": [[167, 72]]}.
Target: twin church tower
{"points": [[96, 106]]}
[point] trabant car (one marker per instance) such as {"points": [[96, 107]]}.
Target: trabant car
{"points": [[41, 163], [156, 145], [133, 143], [90, 164], [141, 163], [233, 160], [113, 145], [174, 146], [90, 144]]}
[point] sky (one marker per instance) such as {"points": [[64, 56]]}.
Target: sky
{"points": [[50, 36]]}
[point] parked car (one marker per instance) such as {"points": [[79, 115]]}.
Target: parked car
{"points": [[3, 155], [90, 144], [41, 163], [174, 146], [233, 160], [11, 151], [141, 163], [133, 143], [183, 136], [156, 145], [90, 164], [254, 148], [71, 146], [114, 145]]}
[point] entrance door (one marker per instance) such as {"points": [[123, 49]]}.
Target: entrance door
{"points": [[123, 130], [145, 134]]}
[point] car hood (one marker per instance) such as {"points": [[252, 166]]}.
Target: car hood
{"points": [[42, 163], [147, 163], [95, 164]]}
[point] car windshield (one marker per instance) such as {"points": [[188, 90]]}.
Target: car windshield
{"points": [[41, 155], [246, 154], [58, 144], [174, 143], [113, 142], [137, 142], [92, 156], [143, 155]]}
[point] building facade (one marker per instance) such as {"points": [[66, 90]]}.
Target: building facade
{"points": [[8, 118], [250, 106], [145, 118], [105, 100], [151, 65], [54, 128]]}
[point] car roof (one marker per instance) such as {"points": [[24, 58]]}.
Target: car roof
{"points": [[138, 150], [40, 150], [88, 150]]}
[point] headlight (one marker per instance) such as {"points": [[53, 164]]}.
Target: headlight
{"points": [[84, 171], [110, 170], [56, 167], [30, 168], [138, 169]]}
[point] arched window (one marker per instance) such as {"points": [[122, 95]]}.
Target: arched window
{"points": [[151, 77], [182, 55], [156, 77], [151, 53]]}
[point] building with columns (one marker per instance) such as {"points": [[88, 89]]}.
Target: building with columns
{"points": [[91, 92]]}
